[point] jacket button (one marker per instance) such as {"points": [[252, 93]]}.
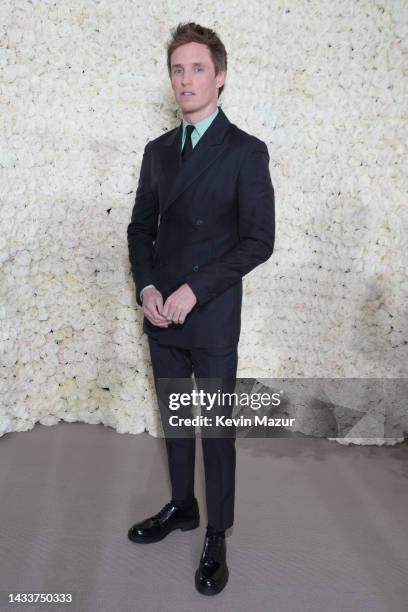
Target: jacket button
{"points": [[195, 268], [199, 222]]}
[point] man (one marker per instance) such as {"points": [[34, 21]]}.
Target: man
{"points": [[203, 218]]}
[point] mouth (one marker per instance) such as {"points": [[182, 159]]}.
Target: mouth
{"points": [[187, 94]]}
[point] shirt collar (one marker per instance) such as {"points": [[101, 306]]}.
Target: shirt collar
{"points": [[202, 125]]}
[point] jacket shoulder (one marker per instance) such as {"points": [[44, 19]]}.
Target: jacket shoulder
{"points": [[160, 139], [245, 141]]}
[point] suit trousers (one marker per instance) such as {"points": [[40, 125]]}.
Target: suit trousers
{"points": [[213, 369]]}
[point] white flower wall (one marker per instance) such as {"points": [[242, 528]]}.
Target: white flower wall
{"points": [[83, 88]]}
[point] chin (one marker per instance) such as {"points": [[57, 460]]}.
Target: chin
{"points": [[189, 101]]}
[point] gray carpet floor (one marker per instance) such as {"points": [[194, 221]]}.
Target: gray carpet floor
{"points": [[318, 526]]}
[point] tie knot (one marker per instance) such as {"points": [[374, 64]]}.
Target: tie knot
{"points": [[189, 130]]}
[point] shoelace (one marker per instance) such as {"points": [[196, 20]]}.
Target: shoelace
{"points": [[213, 545], [169, 506]]}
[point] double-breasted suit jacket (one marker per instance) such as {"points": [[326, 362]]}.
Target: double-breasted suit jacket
{"points": [[206, 222]]}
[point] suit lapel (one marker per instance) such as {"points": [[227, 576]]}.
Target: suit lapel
{"points": [[179, 176]]}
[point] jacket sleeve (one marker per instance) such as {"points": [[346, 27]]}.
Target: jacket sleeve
{"points": [[142, 230], [256, 225]]}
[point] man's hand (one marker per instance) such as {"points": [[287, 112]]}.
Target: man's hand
{"points": [[153, 307], [179, 303]]}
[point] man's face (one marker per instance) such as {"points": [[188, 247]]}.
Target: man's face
{"points": [[192, 70]]}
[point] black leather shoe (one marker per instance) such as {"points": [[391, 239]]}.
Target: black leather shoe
{"points": [[212, 574], [170, 517]]}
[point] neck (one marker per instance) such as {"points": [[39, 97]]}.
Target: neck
{"points": [[198, 115]]}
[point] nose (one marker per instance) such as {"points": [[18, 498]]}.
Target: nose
{"points": [[186, 79]]}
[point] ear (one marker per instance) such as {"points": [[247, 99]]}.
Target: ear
{"points": [[220, 78]]}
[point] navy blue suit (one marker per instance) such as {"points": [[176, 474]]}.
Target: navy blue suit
{"points": [[206, 222]]}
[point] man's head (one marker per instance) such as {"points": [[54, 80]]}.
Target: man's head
{"points": [[197, 63]]}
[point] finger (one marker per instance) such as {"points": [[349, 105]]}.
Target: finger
{"points": [[168, 312], [169, 308], [157, 323], [183, 315], [157, 304], [176, 315], [153, 318], [165, 310], [159, 317]]}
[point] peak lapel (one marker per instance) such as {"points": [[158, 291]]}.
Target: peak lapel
{"points": [[180, 176]]}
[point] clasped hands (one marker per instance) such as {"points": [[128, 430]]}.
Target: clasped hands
{"points": [[174, 310]]}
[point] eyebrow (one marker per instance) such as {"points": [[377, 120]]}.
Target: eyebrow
{"points": [[181, 65]]}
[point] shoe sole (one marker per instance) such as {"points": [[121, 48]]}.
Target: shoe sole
{"points": [[208, 590], [184, 526]]}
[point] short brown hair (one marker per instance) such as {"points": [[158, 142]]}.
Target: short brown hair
{"points": [[192, 32]]}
